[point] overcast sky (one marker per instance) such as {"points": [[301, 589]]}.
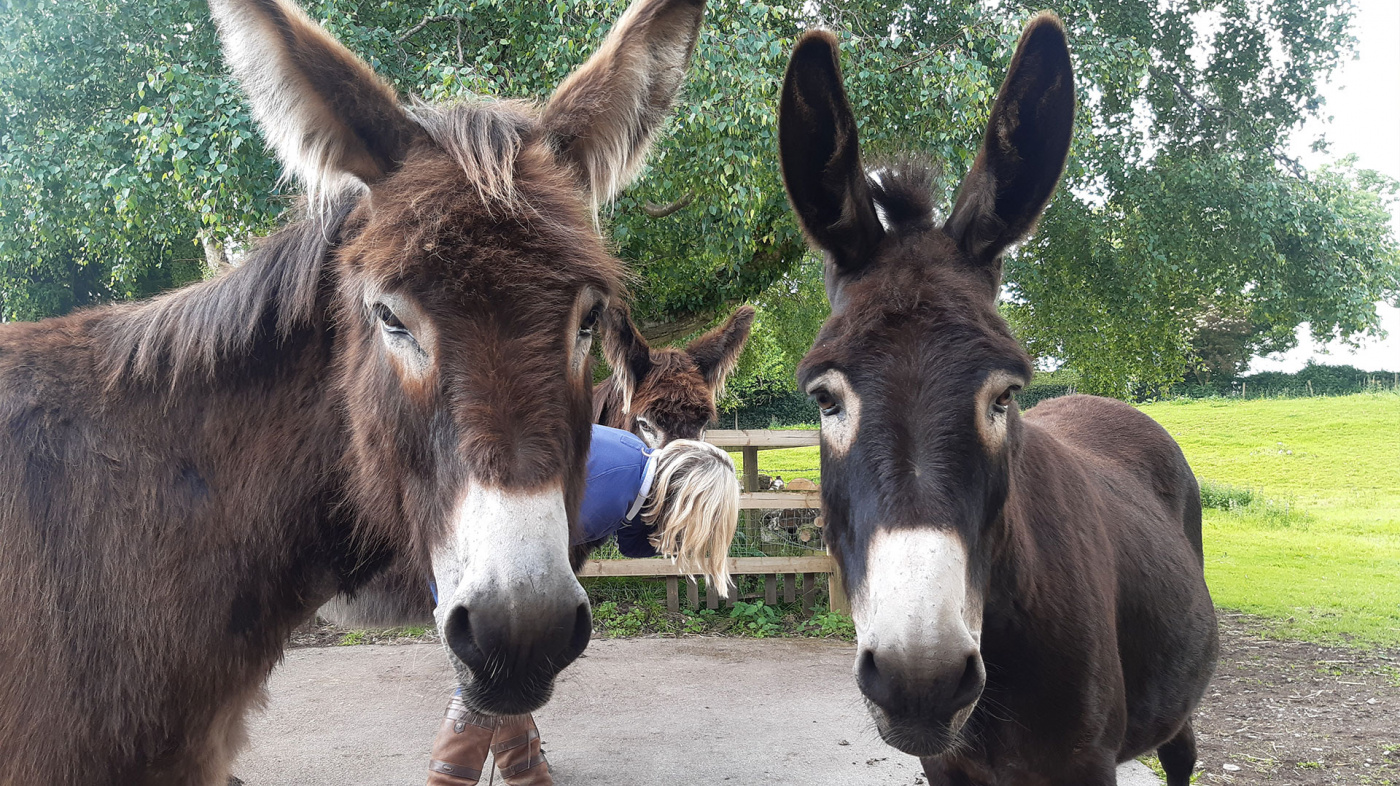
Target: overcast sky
{"points": [[1364, 102]]}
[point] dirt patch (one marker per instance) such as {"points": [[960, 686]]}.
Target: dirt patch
{"points": [[1290, 712]]}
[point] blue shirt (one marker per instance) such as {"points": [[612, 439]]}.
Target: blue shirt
{"points": [[619, 468]]}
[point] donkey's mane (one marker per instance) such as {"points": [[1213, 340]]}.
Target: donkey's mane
{"points": [[903, 189], [275, 288]]}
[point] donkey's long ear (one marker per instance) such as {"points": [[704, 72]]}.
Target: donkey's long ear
{"points": [[717, 352], [1024, 150], [603, 117], [328, 116], [627, 352], [820, 154]]}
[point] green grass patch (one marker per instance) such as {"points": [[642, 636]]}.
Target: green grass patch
{"points": [[353, 637], [1302, 519], [753, 619], [1250, 504], [637, 606]]}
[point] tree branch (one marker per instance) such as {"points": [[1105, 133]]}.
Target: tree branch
{"points": [[1216, 110], [661, 211], [661, 333], [215, 258], [430, 19], [935, 50]]}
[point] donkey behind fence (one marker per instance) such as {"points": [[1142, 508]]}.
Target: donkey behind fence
{"points": [[402, 371]]}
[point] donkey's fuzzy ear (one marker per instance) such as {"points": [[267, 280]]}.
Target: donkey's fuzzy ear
{"points": [[328, 116], [717, 352], [603, 117], [820, 154], [1024, 150], [627, 352]]}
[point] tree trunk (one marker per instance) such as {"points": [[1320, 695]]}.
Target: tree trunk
{"points": [[215, 259]]}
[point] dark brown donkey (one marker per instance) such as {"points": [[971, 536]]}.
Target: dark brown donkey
{"points": [[1027, 592], [658, 394], [183, 481], [665, 394]]}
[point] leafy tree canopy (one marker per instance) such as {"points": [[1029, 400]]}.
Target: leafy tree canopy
{"points": [[127, 159]]}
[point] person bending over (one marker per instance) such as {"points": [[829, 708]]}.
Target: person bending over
{"points": [[680, 501]]}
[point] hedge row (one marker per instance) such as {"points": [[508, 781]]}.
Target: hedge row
{"points": [[1312, 380], [789, 408]]}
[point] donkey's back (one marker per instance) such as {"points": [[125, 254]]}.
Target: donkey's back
{"points": [[1116, 437], [1148, 503]]}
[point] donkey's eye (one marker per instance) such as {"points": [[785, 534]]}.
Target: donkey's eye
{"points": [[389, 320], [645, 426], [1004, 400], [826, 402], [590, 320]]}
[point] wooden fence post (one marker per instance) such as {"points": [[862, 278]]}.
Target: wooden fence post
{"points": [[673, 594], [809, 592], [836, 591], [752, 518], [692, 592], [750, 469], [789, 587]]}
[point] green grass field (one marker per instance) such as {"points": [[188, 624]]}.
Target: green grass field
{"points": [[1306, 528], [1318, 550]]}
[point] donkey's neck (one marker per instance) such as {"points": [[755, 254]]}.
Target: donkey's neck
{"points": [[181, 456], [211, 328]]}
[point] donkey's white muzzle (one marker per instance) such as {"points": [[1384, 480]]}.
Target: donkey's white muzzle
{"points": [[510, 610]]}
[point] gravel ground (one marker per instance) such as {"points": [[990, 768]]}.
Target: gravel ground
{"points": [[1278, 712]]}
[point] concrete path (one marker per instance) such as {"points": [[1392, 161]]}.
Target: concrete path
{"points": [[631, 712]]}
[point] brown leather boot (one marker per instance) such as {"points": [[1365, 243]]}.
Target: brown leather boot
{"points": [[518, 755], [459, 751]]}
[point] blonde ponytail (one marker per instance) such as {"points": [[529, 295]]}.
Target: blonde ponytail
{"points": [[694, 508]]}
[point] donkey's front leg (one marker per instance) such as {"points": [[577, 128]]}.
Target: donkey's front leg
{"points": [[1088, 768], [944, 771]]}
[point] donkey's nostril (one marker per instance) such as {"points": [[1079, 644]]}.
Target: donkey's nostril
{"points": [[583, 631], [458, 633], [970, 686], [875, 685]]}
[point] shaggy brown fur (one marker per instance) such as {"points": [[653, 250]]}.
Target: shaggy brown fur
{"points": [[183, 481], [1094, 633]]}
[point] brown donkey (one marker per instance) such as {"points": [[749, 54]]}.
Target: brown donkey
{"points": [[666, 394], [658, 394], [1028, 592], [405, 370]]}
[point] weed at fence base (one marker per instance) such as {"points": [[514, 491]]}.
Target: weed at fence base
{"points": [[649, 617]]}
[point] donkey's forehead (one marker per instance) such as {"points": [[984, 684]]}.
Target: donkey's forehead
{"points": [[926, 314], [433, 224], [674, 388]]}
